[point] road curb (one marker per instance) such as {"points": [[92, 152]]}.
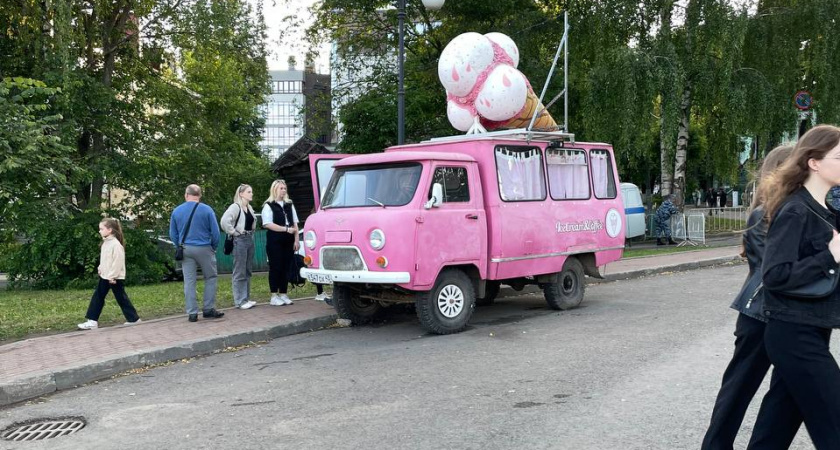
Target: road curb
{"points": [[508, 291], [23, 389]]}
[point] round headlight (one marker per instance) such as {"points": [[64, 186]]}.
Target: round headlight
{"points": [[310, 240], [377, 239]]}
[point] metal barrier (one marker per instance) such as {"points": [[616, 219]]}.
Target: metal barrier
{"points": [[696, 223]]}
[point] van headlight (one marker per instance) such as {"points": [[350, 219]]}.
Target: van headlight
{"points": [[377, 239], [310, 240]]}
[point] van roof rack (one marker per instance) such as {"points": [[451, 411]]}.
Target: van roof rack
{"points": [[515, 134]]}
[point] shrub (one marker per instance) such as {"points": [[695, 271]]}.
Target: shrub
{"points": [[57, 254]]}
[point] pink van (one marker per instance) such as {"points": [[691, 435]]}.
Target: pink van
{"points": [[444, 223]]}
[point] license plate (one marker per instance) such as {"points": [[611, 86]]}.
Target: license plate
{"points": [[319, 278]]}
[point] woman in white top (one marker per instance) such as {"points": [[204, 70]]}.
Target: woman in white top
{"points": [[239, 222], [281, 222]]}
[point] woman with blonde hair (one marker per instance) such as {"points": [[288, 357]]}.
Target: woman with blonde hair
{"points": [[802, 250], [239, 222], [749, 363], [280, 219]]}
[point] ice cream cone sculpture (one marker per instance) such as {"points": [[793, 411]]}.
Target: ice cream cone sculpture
{"points": [[484, 89]]}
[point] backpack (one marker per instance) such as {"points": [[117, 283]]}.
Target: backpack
{"points": [[294, 271]]}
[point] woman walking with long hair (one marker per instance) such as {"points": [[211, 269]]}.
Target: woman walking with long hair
{"points": [[749, 363], [802, 250], [239, 222], [280, 219]]}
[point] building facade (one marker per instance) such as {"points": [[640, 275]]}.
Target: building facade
{"points": [[298, 106]]}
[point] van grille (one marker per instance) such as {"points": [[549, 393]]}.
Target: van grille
{"points": [[342, 258]]}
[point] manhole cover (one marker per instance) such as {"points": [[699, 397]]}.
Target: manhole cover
{"points": [[40, 429]]}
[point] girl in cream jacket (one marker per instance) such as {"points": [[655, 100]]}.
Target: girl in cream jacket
{"points": [[111, 276]]}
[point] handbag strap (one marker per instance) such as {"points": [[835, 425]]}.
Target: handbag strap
{"points": [[237, 218], [819, 216], [189, 222]]}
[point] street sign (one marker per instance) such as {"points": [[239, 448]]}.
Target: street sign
{"points": [[803, 100]]}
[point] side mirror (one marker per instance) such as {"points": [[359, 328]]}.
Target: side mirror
{"points": [[437, 197]]}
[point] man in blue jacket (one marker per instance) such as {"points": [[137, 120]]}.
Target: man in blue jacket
{"points": [[662, 221], [200, 242]]}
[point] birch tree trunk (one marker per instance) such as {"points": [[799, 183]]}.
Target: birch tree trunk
{"points": [[682, 146]]}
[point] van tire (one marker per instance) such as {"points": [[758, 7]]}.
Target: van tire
{"points": [[567, 293], [447, 308], [491, 291], [349, 305]]}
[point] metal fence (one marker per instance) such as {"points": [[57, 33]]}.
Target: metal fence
{"points": [[694, 224]]}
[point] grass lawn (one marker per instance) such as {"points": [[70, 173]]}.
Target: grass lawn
{"points": [[636, 252], [33, 312]]}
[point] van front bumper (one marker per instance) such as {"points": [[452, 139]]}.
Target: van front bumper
{"points": [[322, 276]]}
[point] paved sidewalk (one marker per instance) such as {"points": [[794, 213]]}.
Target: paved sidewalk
{"points": [[38, 366]]}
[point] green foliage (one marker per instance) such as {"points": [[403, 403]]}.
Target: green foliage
{"points": [[630, 63], [65, 253], [124, 123], [31, 154]]}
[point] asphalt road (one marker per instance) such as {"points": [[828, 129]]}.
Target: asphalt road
{"points": [[636, 367]]}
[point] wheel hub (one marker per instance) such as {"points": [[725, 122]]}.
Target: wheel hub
{"points": [[568, 284], [450, 301]]}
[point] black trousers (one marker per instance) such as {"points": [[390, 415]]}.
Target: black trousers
{"points": [[741, 380], [97, 302], [280, 249], [805, 386]]}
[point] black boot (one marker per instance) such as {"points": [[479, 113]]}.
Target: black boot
{"points": [[659, 242], [671, 242]]}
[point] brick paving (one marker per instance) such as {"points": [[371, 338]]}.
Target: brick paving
{"points": [[37, 355], [49, 355]]}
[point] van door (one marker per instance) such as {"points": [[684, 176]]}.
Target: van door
{"points": [[456, 231], [321, 170]]}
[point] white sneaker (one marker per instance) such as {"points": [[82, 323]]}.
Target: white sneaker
{"points": [[321, 297], [133, 323], [247, 305], [276, 300], [286, 300], [89, 325]]}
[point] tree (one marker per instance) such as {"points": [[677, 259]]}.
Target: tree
{"points": [[31, 155], [152, 95]]}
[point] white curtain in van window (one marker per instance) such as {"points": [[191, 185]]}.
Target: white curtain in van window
{"points": [[567, 175], [599, 173], [520, 175]]}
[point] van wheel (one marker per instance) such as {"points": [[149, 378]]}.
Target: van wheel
{"points": [[349, 305], [447, 308], [491, 291], [567, 293]]}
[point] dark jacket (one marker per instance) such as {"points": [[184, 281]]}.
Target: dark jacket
{"points": [[796, 253], [750, 301]]}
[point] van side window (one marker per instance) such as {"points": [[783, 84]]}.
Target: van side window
{"points": [[520, 171], [454, 182], [603, 179], [568, 174]]}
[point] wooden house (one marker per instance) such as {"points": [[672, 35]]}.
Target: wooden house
{"points": [[293, 167]]}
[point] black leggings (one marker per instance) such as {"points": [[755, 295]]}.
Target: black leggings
{"points": [[280, 249], [97, 302]]}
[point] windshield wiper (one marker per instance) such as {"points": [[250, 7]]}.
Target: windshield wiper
{"points": [[377, 202]]}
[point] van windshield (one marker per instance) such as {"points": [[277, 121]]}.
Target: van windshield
{"points": [[379, 185]]}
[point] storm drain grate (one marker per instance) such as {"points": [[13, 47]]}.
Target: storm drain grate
{"points": [[40, 429]]}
